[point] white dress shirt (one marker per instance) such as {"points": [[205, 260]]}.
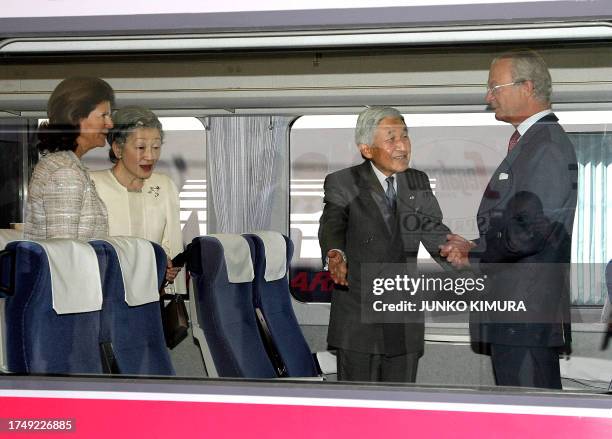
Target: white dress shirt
{"points": [[527, 123]]}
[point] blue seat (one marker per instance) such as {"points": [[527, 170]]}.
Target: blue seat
{"points": [[273, 298], [224, 310], [6, 264], [135, 333], [39, 340]]}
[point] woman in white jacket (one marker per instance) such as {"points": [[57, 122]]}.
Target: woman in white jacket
{"points": [[139, 201]]}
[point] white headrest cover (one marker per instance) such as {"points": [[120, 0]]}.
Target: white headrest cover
{"points": [[8, 235], [237, 257], [276, 254], [138, 268], [75, 275]]}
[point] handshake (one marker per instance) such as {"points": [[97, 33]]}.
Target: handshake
{"points": [[457, 250]]}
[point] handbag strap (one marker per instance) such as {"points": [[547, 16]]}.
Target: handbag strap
{"points": [[270, 346]]}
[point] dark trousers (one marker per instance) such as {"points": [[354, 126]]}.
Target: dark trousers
{"points": [[523, 366], [359, 366]]}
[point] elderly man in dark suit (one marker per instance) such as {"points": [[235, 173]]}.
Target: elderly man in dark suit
{"points": [[525, 223], [376, 212]]}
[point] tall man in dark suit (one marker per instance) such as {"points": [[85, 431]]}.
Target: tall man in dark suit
{"points": [[525, 223], [376, 212]]}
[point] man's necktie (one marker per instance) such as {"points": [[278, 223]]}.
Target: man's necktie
{"points": [[391, 194], [513, 140]]}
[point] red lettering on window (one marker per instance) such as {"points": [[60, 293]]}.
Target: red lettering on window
{"points": [[300, 281], [323, 280]]}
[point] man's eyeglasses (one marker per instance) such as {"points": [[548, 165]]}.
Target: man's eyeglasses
{"points": [[493, 90]]}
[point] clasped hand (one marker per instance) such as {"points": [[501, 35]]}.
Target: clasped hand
{"points": [[171, 271], [457, 250], [336, 265]]}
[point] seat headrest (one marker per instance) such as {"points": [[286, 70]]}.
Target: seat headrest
{"points": [[75, 275], [8, 235], [237, 255], [275, 247], [138, 269]]}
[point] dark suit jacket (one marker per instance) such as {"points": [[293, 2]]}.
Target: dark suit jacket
{"points": [[525, 222], [356, 220]]}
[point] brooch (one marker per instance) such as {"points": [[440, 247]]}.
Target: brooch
{"points": [[154, 190]]}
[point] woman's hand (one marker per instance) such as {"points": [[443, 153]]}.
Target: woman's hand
{"points": [[171, 271]]}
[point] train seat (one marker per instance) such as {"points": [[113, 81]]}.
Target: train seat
{"points": [[224, 322], [6, 236], [131, 333], [52, 307], [272, 254]]}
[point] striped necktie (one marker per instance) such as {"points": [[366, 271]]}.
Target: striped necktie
{"points": [[513, 140], [390, 194]]}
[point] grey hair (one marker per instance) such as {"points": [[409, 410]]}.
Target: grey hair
{"points": [[128, 119], [528, 65], [368, 121]]}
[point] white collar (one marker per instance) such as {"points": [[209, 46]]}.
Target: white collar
{"points": [[528, 123], [382, 178]]}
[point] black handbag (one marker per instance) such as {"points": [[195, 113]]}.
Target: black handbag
{"points": [[175, 319]]}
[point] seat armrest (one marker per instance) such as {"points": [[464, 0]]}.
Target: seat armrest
{"points": [[326, 361]]}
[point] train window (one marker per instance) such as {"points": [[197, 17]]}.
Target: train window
{"points": [[318, 145], [15, 141], [458, 152]]}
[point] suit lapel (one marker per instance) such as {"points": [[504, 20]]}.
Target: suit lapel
{"points": [[502, 179], [406, 194], [373, 197], [526, 138]]}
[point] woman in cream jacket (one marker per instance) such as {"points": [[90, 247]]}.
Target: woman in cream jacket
{"points": [[140, 202]]}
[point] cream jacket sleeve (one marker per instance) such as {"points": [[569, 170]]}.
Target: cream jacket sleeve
{"points": [[172, 239]]}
